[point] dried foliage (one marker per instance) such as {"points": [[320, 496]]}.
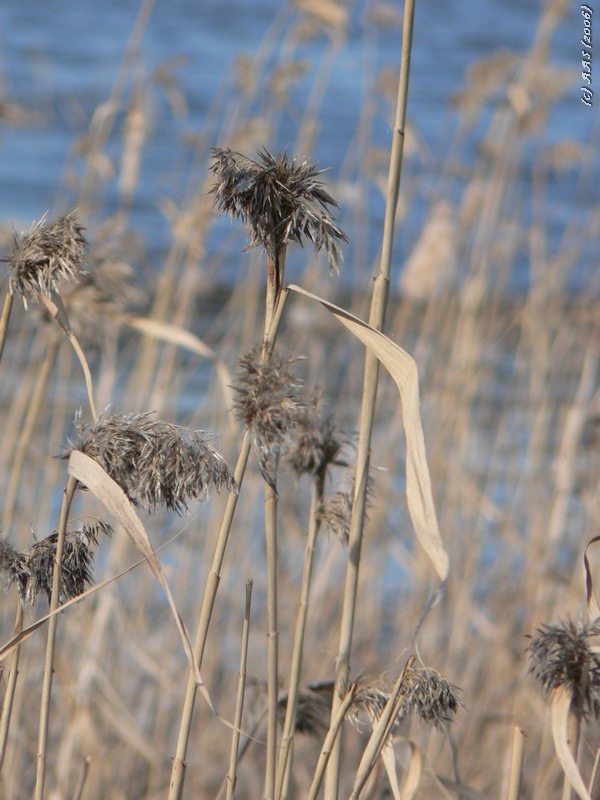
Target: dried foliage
{"points": [[154, 462], [279, 199], [562, 655], [268, 405], [32, 571], [317, 444], [47, 257], [424, 694]]}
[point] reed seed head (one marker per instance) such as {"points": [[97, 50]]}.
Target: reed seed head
{"points": [[424, 694], [317, 444], [562, 655], [335, 513], [268, 405], [279, 199], [154, 462], [313, 708], [32, 571], [47, 257]]}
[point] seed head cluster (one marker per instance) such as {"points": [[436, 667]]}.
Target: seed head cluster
{"points": [[267, 403], [313, 708], [279, 199], [424, 694], [154, 462], [47, 257], [317, 444], [562, 655], [31, 572]]}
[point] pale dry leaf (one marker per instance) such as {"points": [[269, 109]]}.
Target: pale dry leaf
{"points": [[412, 779], [403, 370], [560, 705], [388, 757], [101, 485]]}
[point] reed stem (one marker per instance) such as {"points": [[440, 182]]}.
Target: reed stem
{"points": [[68, 495]]}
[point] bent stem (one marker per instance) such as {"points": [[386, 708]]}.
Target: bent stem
{"points": [[371, 376], [51, 641], [284, 763]]}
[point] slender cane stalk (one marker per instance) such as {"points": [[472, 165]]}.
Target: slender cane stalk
{"points": [[294, 682], [516, 766], [11, 686], [26, 432], [50, 645], [272, 638], [4, 319], [371, 374], [329, 743], [239, 703], [210, 593]]}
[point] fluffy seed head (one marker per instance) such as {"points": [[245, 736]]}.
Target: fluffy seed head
{"points": [[424, 694], [32, 571], [335, 514], [562, 655], [154, 462], [47, 257], [279, 199], [267, 404], [317, 444], [313, 708]]}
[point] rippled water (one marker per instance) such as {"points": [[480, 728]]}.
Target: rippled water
{"points": [[61, 59]]}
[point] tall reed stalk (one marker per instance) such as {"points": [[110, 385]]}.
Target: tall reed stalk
{"points": [[370, 379]]}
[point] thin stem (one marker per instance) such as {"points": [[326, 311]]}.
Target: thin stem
{"points": [[4, 319], [210, 593], [294, 681], [272, 638], [239, 703], [51, 641], [379, 736], [516, 766], [371, 375], [212, 587], [11, 686], [329, 743], [26, 432]]}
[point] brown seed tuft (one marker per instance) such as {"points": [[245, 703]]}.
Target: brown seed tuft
{"points": [[424, 694], [47, 257], [562, 655], [154, 462], [33, 570], [279, 199], [317, 444], [268, 405]]}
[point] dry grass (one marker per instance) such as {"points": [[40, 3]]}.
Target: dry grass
{"points": [[511, 413]]}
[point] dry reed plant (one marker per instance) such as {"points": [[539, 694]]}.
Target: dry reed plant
{"points": [[508, 383]]}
